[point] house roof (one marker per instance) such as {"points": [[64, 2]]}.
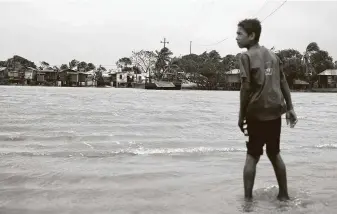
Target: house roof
{"points": [[91, 72], [69, 70], [234, 71], [329, 72], [48, 71], [72, 72], [31, 68]]}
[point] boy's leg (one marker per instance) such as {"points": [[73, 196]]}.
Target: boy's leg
{"points": [[273, 152], [249, 173], [254, 151], [281, 176]]}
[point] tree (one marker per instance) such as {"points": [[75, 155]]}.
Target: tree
{"points": [[19, 61], [73, 63], [123, 62], [19, 64], [90, 66], [214, 56], [206, 69], [321, 61], [292, 65], [64, 67], [312, 47], [335, 64], [44, 65], [82, 66], [3, 63], [213, 69], [55, 68], [316, 61], [230, 62], [101, 68], [191, 65], [163, 57], [99, 77], [144, 60], [136, 70]]}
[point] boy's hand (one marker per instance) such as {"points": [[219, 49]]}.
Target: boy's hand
{"points": [[241, 123], [291, 118]]}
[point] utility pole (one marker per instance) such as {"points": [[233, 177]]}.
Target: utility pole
{"points": [[190, 47], [164, 42]]}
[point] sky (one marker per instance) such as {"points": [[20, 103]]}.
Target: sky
{"points": [[102, 31]]}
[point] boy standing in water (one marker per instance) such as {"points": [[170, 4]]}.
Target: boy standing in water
{"points": [[263, 90]]}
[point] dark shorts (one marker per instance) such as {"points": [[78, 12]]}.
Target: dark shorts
{"points": [[261, 133]]}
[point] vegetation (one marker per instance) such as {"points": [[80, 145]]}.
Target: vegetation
{"points": [[208, 69]]}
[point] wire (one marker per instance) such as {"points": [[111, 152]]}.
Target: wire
{"points": [[274, 11], [263, 6], [256, 13], [216, 42]]}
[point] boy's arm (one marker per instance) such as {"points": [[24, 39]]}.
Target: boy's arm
{"points": [[285, 88], [245, 85]]}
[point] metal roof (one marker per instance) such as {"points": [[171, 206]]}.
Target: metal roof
{"points": [[234, 71], [329, 72]]}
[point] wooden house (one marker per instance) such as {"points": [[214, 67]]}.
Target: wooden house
{"points": [[3, 74], [327, 79], [14, 76], [233, 79], [47, 76], [30, 75], [300, 85]]}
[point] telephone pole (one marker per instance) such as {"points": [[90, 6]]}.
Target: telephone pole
{"points": [[164, 42], [190, 47]]}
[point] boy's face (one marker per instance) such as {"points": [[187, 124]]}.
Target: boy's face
{"points": [[242, 38]]}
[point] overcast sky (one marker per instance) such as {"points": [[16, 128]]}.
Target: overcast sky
{"points": [[102, 31]]}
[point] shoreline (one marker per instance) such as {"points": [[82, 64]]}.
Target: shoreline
{"points": [[314, 90]]}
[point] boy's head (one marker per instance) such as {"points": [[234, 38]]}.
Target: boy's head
{"points": [[248, 33]]}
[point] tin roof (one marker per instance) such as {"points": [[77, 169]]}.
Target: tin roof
{"points": [[68, 70], [329, 72], [234, 71], [48, 71], [31, 68]]}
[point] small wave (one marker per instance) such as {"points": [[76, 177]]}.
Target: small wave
{"points": [[177, 151], [326, 146], [12, 138], [266, 199], [128, 152], [322, 146], [36, 138]]}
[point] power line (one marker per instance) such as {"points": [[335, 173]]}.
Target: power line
{"points": [[265, 4], [216, 42], [274, 10], [261, 21]]}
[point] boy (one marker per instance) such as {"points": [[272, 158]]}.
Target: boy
{"points": [[262, 95]]}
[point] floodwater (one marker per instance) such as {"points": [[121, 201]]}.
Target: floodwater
{"points": [[108, 150]]}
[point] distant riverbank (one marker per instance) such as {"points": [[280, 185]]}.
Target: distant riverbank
{"points": [[313, 90]]}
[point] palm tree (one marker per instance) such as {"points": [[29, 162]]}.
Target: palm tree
{"points": [[163, 59]]}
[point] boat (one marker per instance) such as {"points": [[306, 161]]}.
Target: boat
{"points": [[170, 80], [163, 85], [140, 85]]}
